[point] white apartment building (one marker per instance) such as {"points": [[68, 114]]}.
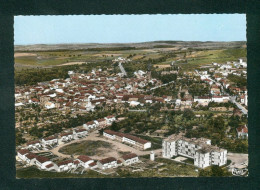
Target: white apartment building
{"points": [[201, 150]]}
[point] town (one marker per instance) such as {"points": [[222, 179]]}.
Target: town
{"points": [[123, 120]]}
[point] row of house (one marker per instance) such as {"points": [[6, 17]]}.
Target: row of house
{"points": [[201, 150], [127, 138], [51, 141], [83, 161]]}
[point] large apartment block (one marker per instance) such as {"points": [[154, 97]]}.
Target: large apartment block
{"points": [[201, 150]]}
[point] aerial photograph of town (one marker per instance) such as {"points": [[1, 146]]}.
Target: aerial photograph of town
{"points": [[110, 96]]}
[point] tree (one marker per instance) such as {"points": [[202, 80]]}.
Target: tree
{"points": [[188, 114], [101, 131], [114, 127]]}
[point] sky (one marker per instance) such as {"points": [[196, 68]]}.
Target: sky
{"points": [[128, 28]]}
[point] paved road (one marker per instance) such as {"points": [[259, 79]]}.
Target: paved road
{"points": [[233, 100], [122, 69]]}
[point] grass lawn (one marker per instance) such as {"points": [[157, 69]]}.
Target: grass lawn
{"points": [[89, 148]]}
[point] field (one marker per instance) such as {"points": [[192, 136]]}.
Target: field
{"points": [[89, 148], [160, 56]]}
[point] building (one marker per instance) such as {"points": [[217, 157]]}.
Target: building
{"points": [[30, 158], [66, 165], [79, 133], [110, 119], [34, 145], [44, 163], [85, 161], [129, 159], [127, 138], [203, 100], [90, 125], [50, 141], [242, 132], [21, 154], [106, 163], [65, 137], [201, 150]]}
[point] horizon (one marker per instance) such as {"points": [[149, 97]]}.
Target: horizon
{"points": [[78, 29], [157, 41]]}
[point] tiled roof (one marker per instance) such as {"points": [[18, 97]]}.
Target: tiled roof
{"points": [[84, 158], [42, 159], [107, 160], [129, 156], [23, 151]]}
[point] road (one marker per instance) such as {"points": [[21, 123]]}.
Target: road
{"points": [[159, 86], [233, 100], [122, 69]]}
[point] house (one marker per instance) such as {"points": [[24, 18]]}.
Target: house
{"points": [[242, 132], [129, 159], [30, 158], [217, 99], [215, 90], [34, 145], [41, 162], [65, 137], [90, 125], [21, 154], [106, 163], [50, 141], [85, 161], [93, 165], [110, 119], [66, 165], [202, 100], [49, 105], [79, 133]]}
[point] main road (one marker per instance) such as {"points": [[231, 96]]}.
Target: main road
{"points": [[122, 69], [243, 109]]}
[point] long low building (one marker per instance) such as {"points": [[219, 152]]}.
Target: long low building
{"points": [[201, 150], [127, 138]]}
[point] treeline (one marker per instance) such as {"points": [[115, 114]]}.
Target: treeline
{"points": [[33, 76], [111, 49]]}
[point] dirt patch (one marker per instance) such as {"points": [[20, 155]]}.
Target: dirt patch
{"points": [[24, 54], [162, 66], [72, 63]]}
